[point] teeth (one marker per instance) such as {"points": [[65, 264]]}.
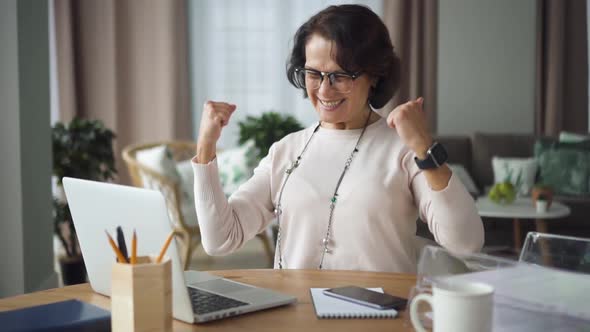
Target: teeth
{"points": [[330, 103]]}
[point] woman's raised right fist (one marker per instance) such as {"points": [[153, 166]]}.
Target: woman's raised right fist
{"points": [[215, 116]]}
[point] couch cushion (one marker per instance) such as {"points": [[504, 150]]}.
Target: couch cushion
{"points": [[565, 166], [458, 148], [569, 137], [521, 172], [485, 146]]}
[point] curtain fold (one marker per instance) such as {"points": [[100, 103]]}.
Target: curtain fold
{"points": [[413, 27], [562, 67], [125, 63]]}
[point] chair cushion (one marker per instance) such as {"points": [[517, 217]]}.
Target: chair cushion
{"points": [[520, 172], [187, 184], [236, 166], [159, 159]]}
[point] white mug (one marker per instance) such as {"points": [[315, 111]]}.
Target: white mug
{"points": [[457, 307]]}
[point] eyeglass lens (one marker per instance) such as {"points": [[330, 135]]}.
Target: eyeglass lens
{"points": [[338, 81]]}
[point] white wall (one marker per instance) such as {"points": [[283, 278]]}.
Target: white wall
{"points": [[11, 262], [26, 262], [486, 66]]}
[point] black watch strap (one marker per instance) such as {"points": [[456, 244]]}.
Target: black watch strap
{"points": [[435, 157]]}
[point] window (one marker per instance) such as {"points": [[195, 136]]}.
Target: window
{"points": [[238, 52]]}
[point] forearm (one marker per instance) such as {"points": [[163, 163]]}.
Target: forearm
{"points": [[226, 225], [205, 152], [219, 232], [451, 215], [438, 178]]}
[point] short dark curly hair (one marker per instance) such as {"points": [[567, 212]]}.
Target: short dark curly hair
{"points": [[362, 43]]}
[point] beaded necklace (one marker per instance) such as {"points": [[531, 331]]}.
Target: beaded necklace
{"points": [[278, 210]]}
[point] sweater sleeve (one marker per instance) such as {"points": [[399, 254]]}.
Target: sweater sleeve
{"points": [[226, 225], [450, 213]]}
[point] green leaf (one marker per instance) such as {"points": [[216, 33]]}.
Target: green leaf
{"points": [[266, 130]]}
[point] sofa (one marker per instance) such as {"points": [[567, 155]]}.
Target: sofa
{"points": [[475, 154]]}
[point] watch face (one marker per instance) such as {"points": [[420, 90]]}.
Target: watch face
{"points": [[439, 153]]}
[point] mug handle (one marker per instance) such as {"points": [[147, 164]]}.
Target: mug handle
{"points": [[414, 316]]}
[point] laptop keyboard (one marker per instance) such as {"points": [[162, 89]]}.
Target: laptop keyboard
{"points": [[204, 302]]}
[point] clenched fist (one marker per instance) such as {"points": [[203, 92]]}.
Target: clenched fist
{"points": [[215, 116], [410, 122]]}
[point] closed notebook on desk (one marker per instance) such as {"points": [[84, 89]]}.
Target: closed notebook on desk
{"points": [[331, 307], [71, 315]]}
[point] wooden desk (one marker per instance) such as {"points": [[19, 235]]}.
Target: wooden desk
{"points": [[297, 317]]}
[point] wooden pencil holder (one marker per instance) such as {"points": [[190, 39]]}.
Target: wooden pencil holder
{"points": [[141, 296]]}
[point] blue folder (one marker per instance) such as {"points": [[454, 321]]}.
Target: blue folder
{"points": [[71, 315]]}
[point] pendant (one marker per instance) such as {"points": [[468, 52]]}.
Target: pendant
{"points": [[325, 241]]}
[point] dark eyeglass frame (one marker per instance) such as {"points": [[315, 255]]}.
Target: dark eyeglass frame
{"points": [[331, 75]]}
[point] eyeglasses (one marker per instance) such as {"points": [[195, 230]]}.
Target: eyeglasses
{"points": [[339, 81]]}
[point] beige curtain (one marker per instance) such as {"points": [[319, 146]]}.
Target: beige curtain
{"points": [[562, 67], [125, 62], [413, 26]]}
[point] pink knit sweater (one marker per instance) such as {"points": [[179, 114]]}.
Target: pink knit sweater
{"points": [[380, 198]]}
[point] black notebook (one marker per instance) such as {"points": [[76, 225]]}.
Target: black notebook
{"points": [[71, 315]]}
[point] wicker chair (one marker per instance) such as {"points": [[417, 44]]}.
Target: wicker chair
{"points": [[189, 235]]}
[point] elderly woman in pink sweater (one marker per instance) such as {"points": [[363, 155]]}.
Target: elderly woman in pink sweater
{"points": [[346, 192]]}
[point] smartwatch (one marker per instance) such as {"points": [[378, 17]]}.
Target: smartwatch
{"points": [[435, 157]]}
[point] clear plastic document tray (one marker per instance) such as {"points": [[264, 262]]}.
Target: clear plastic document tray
{"points": [[527, 297]]}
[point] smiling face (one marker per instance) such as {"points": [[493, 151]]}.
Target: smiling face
{"points": [[336, 110]]}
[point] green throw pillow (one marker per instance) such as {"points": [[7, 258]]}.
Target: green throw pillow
{"points": [[564, 166]]}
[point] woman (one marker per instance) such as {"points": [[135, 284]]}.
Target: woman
{"points": [[346, 192]]}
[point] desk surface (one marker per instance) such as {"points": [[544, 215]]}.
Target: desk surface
{"points": [[297, 317], [521, 208]]}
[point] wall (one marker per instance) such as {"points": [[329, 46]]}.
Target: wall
{"points": [[25, 206], [486, 66]]}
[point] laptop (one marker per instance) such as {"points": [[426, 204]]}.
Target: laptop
{"points": [[196, 296]]}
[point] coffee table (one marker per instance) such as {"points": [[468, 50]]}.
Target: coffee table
{"points": [[521, 208]]}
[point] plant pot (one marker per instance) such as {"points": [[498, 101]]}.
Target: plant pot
{"points": [[544, 191], [73, 270], [541, 206]]}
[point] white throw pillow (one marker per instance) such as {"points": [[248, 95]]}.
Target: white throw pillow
{"points": [[465, 178], [160, 160], [520, 172], [236, 166]]}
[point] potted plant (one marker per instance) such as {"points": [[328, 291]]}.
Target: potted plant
{"points": [[267, 129], [544, 191], [542, 204], [82, 149]]}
